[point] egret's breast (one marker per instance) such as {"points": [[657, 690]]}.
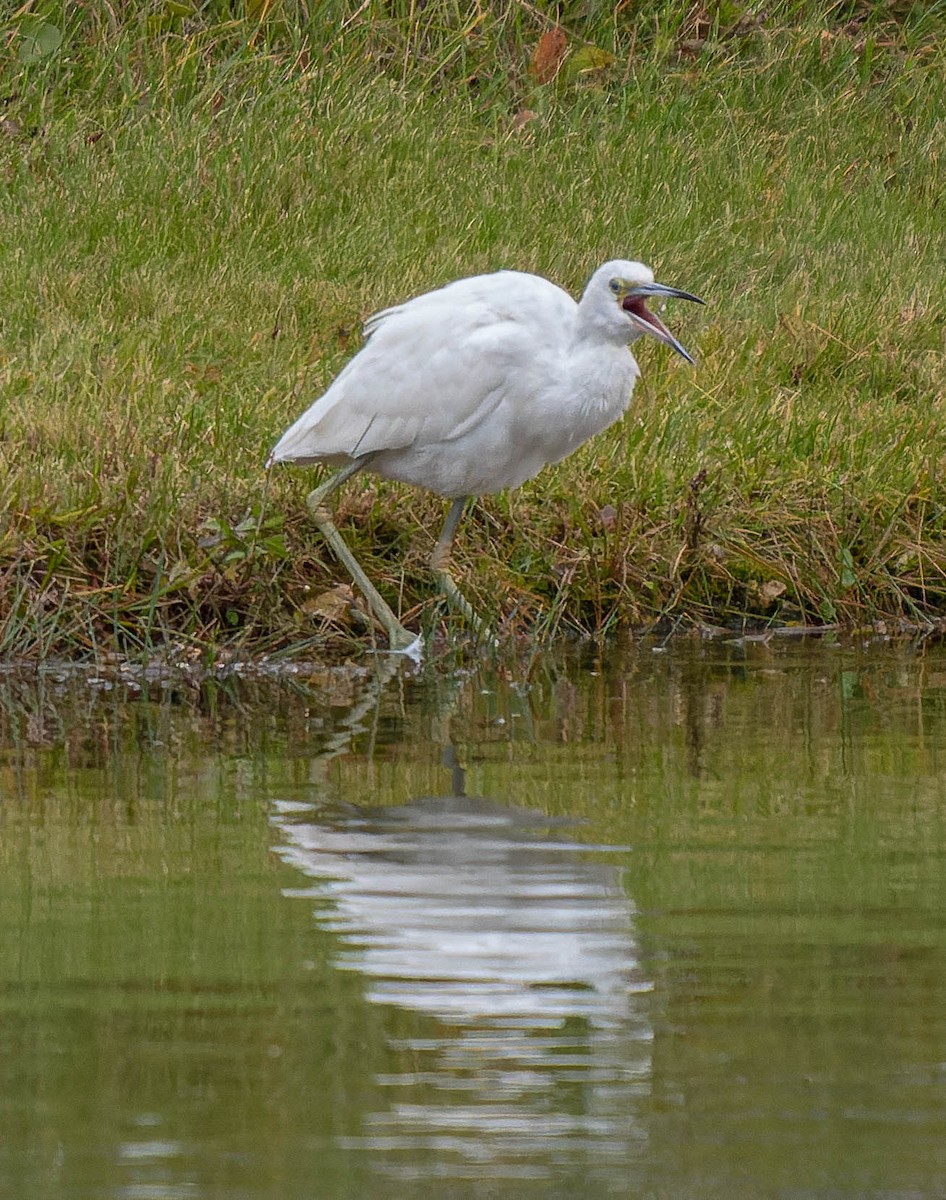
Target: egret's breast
{"points": [[551, 409], [472, 466]]}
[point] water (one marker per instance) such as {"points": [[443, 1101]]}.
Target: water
{"points": [[669, 922]]}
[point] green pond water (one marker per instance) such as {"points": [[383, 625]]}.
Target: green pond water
{"points": [[663, 922]]}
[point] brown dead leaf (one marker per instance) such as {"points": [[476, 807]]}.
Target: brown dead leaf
{"points": [[204, 372], [607, 516], [771, 590], [333, 605], [549, 55], [912, 311]]}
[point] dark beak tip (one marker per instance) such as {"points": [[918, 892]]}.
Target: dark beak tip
{"points": [[673, 293]]}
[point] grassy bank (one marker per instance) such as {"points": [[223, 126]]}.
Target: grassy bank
{"points": [[197, 210]]}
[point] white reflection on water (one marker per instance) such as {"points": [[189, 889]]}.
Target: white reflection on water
{"points": [[520, 948]]}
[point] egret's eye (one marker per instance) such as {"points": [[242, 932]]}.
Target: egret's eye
{"points": [[615, 286]]}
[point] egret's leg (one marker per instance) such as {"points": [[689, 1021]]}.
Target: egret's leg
{"points": [[398, 636], [440, 565]]}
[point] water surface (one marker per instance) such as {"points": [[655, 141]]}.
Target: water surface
{"points": [[665, 922]]}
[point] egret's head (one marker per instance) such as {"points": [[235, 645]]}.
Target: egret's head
{"points": [[625, 287]]}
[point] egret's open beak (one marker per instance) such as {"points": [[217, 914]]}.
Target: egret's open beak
{"points": [[634, 303]]}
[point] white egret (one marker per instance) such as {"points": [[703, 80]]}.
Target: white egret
{"points": [[474, 388]]}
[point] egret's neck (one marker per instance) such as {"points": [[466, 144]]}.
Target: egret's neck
{"points": [[598, 324], [601, 373]]}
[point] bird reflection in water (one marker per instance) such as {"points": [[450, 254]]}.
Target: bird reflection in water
{"points": [[517, 944]]}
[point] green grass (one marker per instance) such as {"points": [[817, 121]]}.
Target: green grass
{"points": [[198, 210]]}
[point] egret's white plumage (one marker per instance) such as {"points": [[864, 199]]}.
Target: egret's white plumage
{"points": [[475, 387]]}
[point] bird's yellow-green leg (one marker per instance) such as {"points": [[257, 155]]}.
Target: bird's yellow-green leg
{"points": [[440, 565], [399, 638]]}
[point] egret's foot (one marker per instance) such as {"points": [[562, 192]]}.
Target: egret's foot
{"points": [[399, 638], [459, 603]]}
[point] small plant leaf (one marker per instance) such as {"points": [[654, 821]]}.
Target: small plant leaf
{"points": [[38, 39], [848, 574], [588, 59]]}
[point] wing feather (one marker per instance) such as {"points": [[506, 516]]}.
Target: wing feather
{"points": [[433, 368]]}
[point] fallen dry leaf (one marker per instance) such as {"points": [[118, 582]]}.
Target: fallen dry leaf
{"points": [[771, 590], [608, 515], [333, 605], [549, 55], [522, 119]]}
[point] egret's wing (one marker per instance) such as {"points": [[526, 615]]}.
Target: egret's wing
{"points": [[436, 366]]}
